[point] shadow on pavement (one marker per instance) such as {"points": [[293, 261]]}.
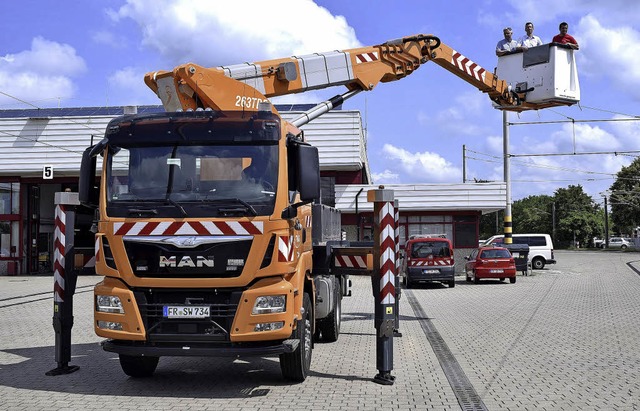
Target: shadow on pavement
{"points": [[100, 374]]}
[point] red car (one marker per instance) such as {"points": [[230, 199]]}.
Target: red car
{"points": [[490, 262]]}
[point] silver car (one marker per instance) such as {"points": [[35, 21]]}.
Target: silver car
{"points": [[620, 242]]}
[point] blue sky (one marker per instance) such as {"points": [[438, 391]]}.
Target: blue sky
{"points": [[68, 53]]}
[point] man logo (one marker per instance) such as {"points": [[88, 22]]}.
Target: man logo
{"points": [[186, 261]]}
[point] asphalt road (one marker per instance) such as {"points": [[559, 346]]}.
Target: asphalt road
{"points": [[564, 338]]}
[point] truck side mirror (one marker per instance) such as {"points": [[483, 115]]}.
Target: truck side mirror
{"points": [[88, 185], [307, 172]]}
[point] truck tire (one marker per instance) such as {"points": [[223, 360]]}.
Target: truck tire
{"points": [[138, 366], [329, 327], [295, 366]]}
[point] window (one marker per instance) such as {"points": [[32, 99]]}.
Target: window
{"points": [[9, 219], [466, 231], [9, 198], [430, 225]]}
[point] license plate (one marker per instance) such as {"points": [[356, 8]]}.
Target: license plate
{"points": [[496, 271], [430, 271], [182, 311]]}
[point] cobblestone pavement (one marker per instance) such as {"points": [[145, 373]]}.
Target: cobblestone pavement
{"points": [[565, 338]]}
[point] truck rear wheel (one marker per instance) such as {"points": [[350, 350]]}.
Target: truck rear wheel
{"points": [[295, 366], [329, 327], [138, 366]]}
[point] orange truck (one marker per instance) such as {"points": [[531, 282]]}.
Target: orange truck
{"points": [[206, 215]]}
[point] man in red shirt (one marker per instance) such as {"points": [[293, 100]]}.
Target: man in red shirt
{"points": [[564, 38]]}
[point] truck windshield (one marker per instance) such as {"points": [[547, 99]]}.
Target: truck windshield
{"points": [[192, 180]]}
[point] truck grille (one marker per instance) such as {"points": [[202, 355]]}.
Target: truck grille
{"points": [[165, 257], [222, 306]]}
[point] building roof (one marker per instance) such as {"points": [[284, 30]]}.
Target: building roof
{"points": [[31, 138], [484, 197]]}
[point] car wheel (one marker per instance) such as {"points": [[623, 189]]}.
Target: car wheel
{"points": [[512, 280], [538, 263], [476, 280], [468, 278], [623, 247], [407, 283], [452, 284]]}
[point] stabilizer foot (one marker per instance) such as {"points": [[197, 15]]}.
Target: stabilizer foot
{"points": [[64, 369], [384, 378]]}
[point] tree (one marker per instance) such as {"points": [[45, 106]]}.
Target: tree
{"points": [[533, 214], [625, 199], [577, 215], [491, 224]]}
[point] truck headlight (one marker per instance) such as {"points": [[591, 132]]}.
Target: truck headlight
{"points": [[270, 304], [109, 304]]}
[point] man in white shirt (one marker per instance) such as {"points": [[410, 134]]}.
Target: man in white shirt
{"points": [[529, 40]]}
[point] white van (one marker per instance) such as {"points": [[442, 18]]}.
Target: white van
{"points": [[540, 247]]}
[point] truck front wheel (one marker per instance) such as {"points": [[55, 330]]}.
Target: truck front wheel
{"points": [[295, 366], [138, 366]]}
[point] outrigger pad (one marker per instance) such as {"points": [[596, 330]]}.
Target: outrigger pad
{"points": [[384, 378], [65, 369]]}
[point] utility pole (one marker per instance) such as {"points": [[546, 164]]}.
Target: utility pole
{"points": [[553, 221], [508, 226], [606, 223], [464, 163]]}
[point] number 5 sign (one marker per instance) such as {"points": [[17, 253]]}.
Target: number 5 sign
{"points": [[47, 172]]}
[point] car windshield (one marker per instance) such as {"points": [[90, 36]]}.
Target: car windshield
{"points": [[430, 248], [193, 180], [496, 253]]}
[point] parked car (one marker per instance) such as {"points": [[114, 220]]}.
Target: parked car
{"points": [[429, 259], [620, 242], [490, 262], [540, 247]]}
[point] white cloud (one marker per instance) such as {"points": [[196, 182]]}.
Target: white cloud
{"points": [[616, 58], [127, 88], [42, 73], [583, 137], [107, 38], [218, 33], [385, 177], [419, 167], [460, 119], [543, 11]]}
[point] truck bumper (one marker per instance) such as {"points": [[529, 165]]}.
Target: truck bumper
{"points": [[200, 350], [431, 273]]}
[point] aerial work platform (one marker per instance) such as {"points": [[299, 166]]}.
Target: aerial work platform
{"points": [[547, 73]]}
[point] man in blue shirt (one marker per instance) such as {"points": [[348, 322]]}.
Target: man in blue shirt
{"points": [[506, 45]]}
